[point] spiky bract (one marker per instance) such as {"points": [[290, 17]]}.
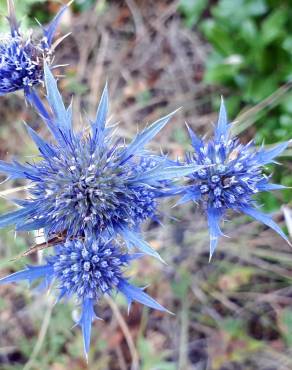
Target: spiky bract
{"points": [[87, 270], [235, 174], [90, 181], [21, 57]]}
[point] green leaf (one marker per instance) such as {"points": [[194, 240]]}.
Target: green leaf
{"points": [[222, 72], [273, 26], [218, 35], [181, 286], [258, 90], [192, 10], [249, 32], [256, 8], [287, 44], [286, 320], [235, 12], [22, 9], [233, 327], [152, 359]]}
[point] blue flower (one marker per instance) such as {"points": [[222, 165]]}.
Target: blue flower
{"points": [[86, 269], [235, 174], [90, 181], [21, 58]]}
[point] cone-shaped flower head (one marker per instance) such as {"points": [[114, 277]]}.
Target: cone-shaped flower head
{"points": [[90, 181], [86, 269], [235, 174], [21, 57]]}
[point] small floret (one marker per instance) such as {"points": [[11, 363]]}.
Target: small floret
{"points": [[22, 57], [90, 182], [87, 270], [234, 175]]}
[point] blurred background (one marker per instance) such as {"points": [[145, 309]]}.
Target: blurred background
{"points": [[234, 313]]}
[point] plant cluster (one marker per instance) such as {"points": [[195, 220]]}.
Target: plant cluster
{"points": [[90, 193], [251, 57]]}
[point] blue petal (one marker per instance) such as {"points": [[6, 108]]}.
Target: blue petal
{"points": [[267, 156], [21, 202], [134, 239], [145, 136], [197, 143], [29, 225], [85, 322], [49, 32], [56, 102], [265, 219], [213, 217], [192, 194], [45, 283], [16, 170], [14, 217], [133, 293], [35, 100], [70, 112], [31, 273], [45, 149], [100, 119], [270, 187], [222, 124], [161, 173]]}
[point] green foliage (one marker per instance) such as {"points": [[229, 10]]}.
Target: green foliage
{"points": [[286, 324], [252, 56], [192, 10], [181, 286], [151, 359], [85, 5], [22, 7], [251, 48]]}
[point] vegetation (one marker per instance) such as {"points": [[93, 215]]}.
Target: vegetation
{"points": [[251, 58], [234, 313]]}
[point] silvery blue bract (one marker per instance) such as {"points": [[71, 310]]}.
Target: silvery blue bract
{"points": [[90, 181], [87, 270], [235, 174], [21, 57]]}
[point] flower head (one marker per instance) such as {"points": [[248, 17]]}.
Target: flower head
{"points": [[90, 181], [235, 174], [21, 57], [86, 269]]}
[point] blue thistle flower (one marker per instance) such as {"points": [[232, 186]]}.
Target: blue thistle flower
{"points": [[21, 58], [235, 174], [90, 182], [87, 270]]}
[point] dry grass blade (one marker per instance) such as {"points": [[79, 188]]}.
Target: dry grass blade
{"points": [[42, 334], [4, 193], [288, 218], [249, 117], [183, 358], [127, 334], [41, 246]]}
